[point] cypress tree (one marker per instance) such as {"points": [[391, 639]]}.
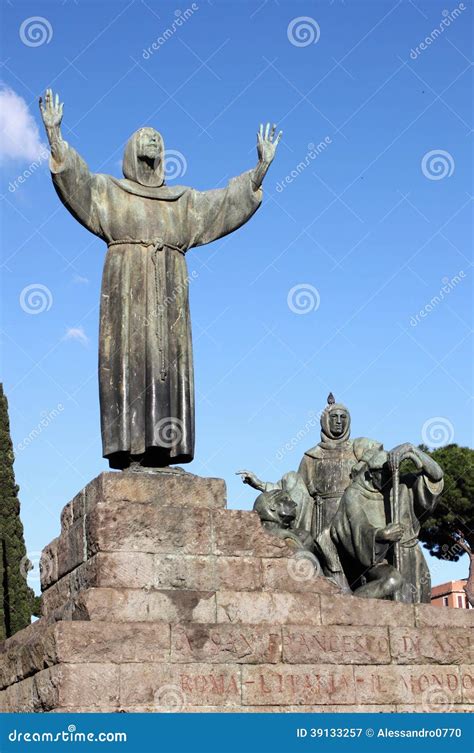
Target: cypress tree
{"points": [[16, 597]]}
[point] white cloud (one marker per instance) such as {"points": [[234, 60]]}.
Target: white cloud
{"points": [[77, 333], [19, 134], [79, 280]]}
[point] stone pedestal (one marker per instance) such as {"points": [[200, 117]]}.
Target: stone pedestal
{"points": [[156, 598]]}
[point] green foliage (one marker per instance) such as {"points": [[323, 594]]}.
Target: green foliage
{"points": [[16, 598], [452, 522]]}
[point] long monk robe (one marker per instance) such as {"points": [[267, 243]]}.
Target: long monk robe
{"points": [[145, 351]]}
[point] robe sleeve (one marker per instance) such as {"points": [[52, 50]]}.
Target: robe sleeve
{"points": [[425, 492], [213, 214], [78, 188]]}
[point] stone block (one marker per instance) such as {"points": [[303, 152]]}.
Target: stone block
{"points": [[296, 573], [431, 645], [148, 527], [71, 548], [425, 685], [162, 489], [28, 651], [335, 645], [48, 566], [225, 644], [238, 573], [268, 608], [240, 533], [467, 684], [344, 609], [170, 687], [427, 615], [137, 605], [184, 572], [267, 685], [105, 642]]}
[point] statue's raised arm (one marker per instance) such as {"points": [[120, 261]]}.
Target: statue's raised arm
{"points": [[71, 177]]}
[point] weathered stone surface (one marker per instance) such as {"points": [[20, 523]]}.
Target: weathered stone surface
{"points": [[168, 687], [295, 573], [270, 608], [71, 548], [238, 573], [467, 683], [240, 533], [225, 644], [27, 652], [341, 645], [177, 602], [72, 683], [136, 605], [48, 566], [431, 645], [184, 490], [426, 685], [297, 685], [148, 527], [351, 610], [427, 615], [92, 642], [185, 572]]}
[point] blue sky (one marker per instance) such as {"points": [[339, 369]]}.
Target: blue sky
{"points": [[320, 291]]}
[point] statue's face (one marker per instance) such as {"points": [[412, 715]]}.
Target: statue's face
{"points": [[149, 144], [286, 510], [337, 422], [380, 477]]}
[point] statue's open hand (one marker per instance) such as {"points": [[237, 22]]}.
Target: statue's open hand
{"points": [[51, 109], [248, 477], [392, 532], [267, 143]]}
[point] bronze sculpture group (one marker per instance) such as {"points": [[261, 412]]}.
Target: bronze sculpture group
{"points": [[347, 504], [346, 514]]}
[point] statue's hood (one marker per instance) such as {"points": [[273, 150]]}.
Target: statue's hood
{"points": [[135, 170], [327, 437]]}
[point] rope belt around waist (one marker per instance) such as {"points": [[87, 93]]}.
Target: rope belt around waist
{"points": [[329, 495], [158, 244]]}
